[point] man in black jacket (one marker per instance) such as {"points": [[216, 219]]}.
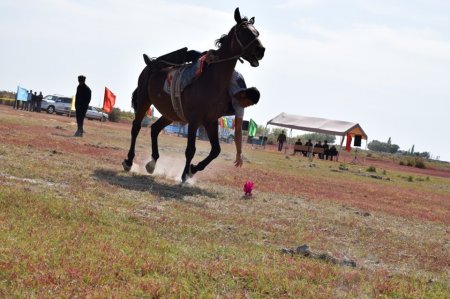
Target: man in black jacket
{"points": [[82, 100]]}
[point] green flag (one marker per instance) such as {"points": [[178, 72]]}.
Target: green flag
{"points": [[252, 127]]}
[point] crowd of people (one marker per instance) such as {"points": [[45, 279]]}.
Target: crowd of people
{"points": [[328, 152], [33, 102]]}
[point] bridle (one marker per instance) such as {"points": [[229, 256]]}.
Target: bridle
{"points": [[243, 48], [241, 45]]}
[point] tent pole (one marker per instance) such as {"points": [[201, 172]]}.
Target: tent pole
{"points": [[340, 148], [264, 135], [288, 142]]}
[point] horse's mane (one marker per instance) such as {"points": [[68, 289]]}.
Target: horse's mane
{"points": [[219, 42]]}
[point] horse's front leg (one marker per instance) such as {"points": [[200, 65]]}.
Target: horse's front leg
{"points": [[190, 150], [136, 128], [156, 128], [213, 135]]}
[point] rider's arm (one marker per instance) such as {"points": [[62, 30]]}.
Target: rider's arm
{"points": [[238, 141]]}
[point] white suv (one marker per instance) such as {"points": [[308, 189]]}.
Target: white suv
{"points": [[58, 104], [96, 113], [63, 105]]}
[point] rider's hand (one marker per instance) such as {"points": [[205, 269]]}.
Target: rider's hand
{"points": [[239, 160]]}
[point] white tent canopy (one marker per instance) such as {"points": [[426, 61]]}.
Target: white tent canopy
{"points": [[318, 125]]}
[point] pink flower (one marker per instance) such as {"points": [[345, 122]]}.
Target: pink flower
{"points": [[248, 188]]}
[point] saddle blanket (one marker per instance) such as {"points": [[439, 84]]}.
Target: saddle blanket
{"points": [[188, 74]]}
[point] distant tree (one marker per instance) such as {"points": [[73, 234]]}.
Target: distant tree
{"points": [[114, 116], [425, 155], [394, 148], [7, 94], [318, 137], [261, 130], [412, 150], [379, 146]]}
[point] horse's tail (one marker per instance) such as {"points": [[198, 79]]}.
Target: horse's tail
{"points": [[140, 94], [134, 100]]}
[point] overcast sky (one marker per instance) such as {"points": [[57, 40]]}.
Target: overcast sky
{"points": [[383, 64]]}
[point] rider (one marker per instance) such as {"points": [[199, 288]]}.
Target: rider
{"points": [[241, 96]]}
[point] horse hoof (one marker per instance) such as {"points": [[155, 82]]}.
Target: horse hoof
{"points": [[125, 166], [191, 171], [150, 166]]}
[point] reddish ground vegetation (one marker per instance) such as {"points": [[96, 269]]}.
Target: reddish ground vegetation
{"points": [[372, 195]]}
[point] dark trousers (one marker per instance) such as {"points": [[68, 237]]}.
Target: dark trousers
{"points": [[81, 113], [32, 105], [280, 146]]}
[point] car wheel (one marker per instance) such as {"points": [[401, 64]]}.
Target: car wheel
{"points": [[230, 139], [103, 119], [50, 109]]}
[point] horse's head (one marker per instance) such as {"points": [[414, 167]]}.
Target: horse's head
{"points": [[245, 36]]}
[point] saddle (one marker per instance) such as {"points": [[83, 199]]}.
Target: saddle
{"points": [[178, 78], [180, 75]]}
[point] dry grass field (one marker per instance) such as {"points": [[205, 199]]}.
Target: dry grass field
{"points": [[74, 224]]}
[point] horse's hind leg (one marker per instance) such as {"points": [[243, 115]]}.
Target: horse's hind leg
{"points": [[190, 150], [213, 135], [139, 115], [156, 128]]}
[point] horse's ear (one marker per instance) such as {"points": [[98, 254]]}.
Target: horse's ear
{"points": [[237, 15], [252, 20]]}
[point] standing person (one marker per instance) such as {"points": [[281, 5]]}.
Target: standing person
{"points": [[241, 98], [281, 140], [82, 100], [28, 101], [325, 147], [33, 102], [16, 103], [39, 102]]}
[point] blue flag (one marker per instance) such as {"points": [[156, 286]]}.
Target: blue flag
{"points": [[230, 123], [22, 94]]}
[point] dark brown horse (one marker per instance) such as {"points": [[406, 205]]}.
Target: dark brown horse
{"points": [[203, 101]]}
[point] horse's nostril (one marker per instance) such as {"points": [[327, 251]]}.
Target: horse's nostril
{"points": [[260, 52]]}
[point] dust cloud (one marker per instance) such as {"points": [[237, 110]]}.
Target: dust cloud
{"points": [[168, 166]]}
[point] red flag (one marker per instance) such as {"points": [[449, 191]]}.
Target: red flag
{"points": [[348, 147], [109, 101]]}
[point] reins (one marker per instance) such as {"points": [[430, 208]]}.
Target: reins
{"points": [[238, 56], [243, 48]]}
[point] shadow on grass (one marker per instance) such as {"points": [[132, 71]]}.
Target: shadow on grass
{"points": [[137, 182]]}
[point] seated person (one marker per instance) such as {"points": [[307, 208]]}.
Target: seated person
{"points": [[298, 142], [332, 152], [319, 145], [308, 143]]}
